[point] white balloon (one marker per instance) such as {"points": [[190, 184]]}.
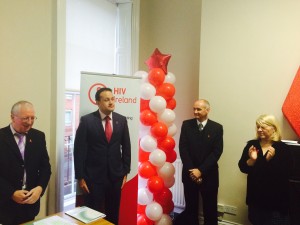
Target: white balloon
{"points": [[144, 130], [140, 73], [142, 182], [157, 157], [154, 211], [148, 143], [169, 182], [157, 104], [145, 78], [147, 91], [167, 116], [172, 130], [170, 78], [164, 220], [144, 196], [166, 171]]}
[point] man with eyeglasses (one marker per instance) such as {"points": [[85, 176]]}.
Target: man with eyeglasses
{"points": [[24, 166]]}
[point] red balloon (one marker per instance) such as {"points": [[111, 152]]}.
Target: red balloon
{"points": [[143, 156], [159, 130], [171, 157], [144, 104], [141, 209], [164, 196], [147, 117], [146, 170], [168, 207], [142, 219], [166, 90], [166, 144], [171, 104], [155, 184], [156, 76]]}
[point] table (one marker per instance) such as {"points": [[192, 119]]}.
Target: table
{"points": [[71, 219]]}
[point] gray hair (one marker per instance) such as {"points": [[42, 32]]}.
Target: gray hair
{"points": [[15, 109], [206, 103]]}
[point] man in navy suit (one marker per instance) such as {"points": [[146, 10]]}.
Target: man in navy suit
{"points": [[101, 163], [200, 147], [24, 175]]}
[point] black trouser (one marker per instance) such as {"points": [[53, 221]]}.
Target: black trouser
{"points": [[9, 216], [209, 202], [105, 198], [263, 216]]}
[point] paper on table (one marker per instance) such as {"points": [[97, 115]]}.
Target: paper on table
{"points": [[53, 220], [85, 214]]}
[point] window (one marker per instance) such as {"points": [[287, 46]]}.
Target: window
{"points": [[68, 117], [71, 124], [98, 39]]}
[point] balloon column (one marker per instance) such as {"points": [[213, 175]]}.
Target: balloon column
{"points": [[156, 143]]}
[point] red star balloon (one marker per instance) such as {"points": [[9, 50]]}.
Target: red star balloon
{"points": [[291, 104], [158, 60]]}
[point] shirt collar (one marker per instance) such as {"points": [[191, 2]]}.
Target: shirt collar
{"points": [[203, 122], [103, 115]]}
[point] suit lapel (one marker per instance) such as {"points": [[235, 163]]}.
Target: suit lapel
{"points": [[29, 142], [11, 142], [116, 124], [195, 125], [99, 126], [207, 129], [98, 122]]}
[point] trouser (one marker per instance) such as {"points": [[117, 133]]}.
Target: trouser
{"points": [[16, 215], [105, 198], [263, 216], [209, 203]]}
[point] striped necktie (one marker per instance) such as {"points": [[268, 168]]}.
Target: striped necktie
{"points": [[200, 126], [21, 145]]}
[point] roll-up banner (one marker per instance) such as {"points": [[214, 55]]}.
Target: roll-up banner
{"points": [[126, 90]]}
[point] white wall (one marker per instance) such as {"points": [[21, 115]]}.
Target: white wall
{"points": [[26, 70], [174, 28], [90, 39], [249, 55]]}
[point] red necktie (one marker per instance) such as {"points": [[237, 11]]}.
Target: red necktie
{"points": [[108, 129]]}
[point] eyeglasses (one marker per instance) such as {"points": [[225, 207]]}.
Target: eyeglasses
{"points": [[26, 119]]}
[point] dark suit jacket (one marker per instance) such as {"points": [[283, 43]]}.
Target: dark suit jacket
{"points": [[201, 150], [97, 160], [38, 169]]}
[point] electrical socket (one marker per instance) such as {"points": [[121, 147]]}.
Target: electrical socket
{"points": [[221, 208], [230, 209]]}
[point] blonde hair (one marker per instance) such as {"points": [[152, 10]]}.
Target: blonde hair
{"points": [[269, 120]]}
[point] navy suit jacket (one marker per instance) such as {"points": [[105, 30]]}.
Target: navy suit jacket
{"points": [[201, 150], [95, 159], [36, 163]]}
